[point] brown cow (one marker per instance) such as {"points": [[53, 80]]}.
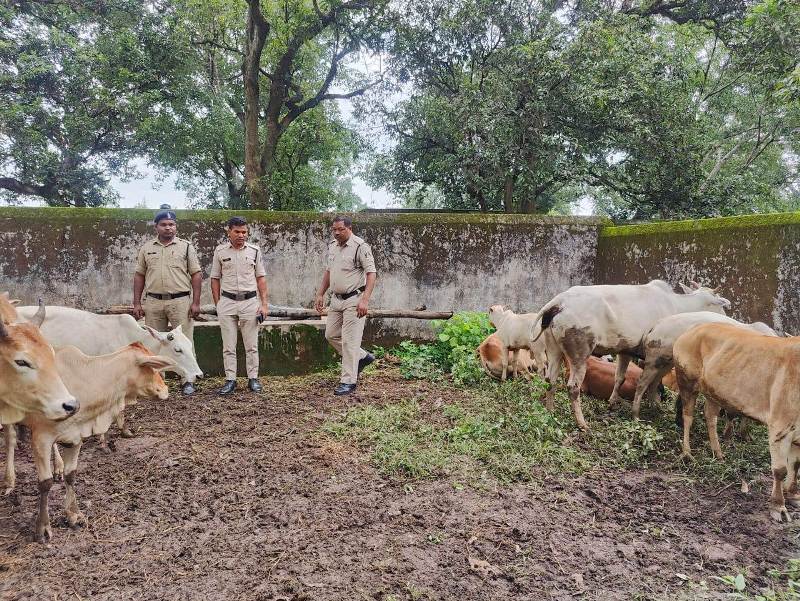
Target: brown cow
{"points": [[752, 374], [103, 385], [29, 380]]}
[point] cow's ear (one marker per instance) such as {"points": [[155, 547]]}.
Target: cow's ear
{"points": [[15, 301], [685, 288], [155, 361], [695, 285]]}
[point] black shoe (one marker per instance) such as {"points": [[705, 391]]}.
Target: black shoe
{"points": [[362, 363], [230, 386], [188, 388], [343, 389], [254, 385]]}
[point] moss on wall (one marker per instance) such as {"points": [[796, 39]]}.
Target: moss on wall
{"points": [[739, 221], [75, 215]]}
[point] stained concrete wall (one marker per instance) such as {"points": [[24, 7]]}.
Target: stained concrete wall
{"points": [[85, 257], [754, 258]]}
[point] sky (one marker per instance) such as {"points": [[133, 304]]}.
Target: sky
{"points": [[152, 193]]}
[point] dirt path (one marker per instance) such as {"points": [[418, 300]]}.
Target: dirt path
{"points": [[239, 498]]}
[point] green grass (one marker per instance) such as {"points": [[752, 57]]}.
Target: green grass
{"points": [[504, 431], [785, 586]]}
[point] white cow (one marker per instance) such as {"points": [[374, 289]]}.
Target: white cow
{"points": [[586, 320], [102, 334], [658, 343], [97, 334]]}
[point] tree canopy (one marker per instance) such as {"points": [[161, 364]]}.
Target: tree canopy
{"points": [[648, 109]]}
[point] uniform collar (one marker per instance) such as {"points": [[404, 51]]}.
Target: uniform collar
{"points": [[157, 242], [230, 245]]}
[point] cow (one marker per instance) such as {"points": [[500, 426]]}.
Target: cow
{"points": [[586, 320], [489, 353], [29, 380], [659, 340], [514, 334], [600, 375], [102, 334], [103, 385], [752, 374]]}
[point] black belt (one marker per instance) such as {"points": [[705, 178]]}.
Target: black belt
{"points": [[168, 296], [239, 296], [347, 295]]}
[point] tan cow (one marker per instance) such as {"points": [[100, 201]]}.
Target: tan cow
{"points": [[490, 353], [103, 385], [29, 380], [514, 335], [752, 374]]}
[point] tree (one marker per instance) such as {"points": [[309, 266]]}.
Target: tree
{"points": [[75, 79], [660, 109]]}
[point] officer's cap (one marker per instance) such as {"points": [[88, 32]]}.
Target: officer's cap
{"points": [[165, 212]]}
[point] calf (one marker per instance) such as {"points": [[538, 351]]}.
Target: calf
{"points": [[514, 334], [752, 374], [586, 320], [103, 385], [490, 353], [102, 334]]}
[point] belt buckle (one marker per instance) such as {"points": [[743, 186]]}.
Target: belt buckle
{"points": [[240, 296]]}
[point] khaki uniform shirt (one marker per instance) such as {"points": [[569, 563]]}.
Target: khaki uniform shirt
{"points": [[348, 264], [167, 269], [237, 270]]}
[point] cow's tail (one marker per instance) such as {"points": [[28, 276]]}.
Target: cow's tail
{"points": [[543, 320]]}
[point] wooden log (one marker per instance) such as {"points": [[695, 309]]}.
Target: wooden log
{"points": [[276, 311]]}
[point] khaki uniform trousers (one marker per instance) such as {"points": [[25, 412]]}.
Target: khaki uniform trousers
{"points": [[165, 315], [344, 330], [239, 315]]}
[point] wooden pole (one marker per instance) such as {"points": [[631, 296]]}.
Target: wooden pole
{"points": [[302, 313]]}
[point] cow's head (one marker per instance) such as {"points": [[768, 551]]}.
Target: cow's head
{"points": [[178, 348], [708, 298], [146, 381], [496, 314], [29, 380]]}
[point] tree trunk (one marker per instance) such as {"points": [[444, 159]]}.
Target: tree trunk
{"points": [[257, 31], [508, 193]]}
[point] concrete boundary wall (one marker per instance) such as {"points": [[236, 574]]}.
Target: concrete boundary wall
{"points": [[85, 258]]}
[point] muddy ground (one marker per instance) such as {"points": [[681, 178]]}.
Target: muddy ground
{"points": [[241, 498]]}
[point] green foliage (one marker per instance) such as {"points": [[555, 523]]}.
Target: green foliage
{"points": [[533, 109], [453, 352]]}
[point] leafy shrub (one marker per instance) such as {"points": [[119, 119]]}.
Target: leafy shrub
{"points": [[453, 352]]}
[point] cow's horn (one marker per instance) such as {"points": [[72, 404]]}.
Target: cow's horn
{"points": [[38, 318]]}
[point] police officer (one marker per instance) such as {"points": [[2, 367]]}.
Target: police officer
{"points": [[168, 273], [351, 277], [239, 289]]}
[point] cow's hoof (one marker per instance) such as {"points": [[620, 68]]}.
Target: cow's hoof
{"points": [[779, 514], [43, 534], [76, 520], [687, 457], [9, 490], [126, 433], [58, 475]]}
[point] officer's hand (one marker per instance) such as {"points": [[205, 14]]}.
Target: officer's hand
{"points": [[194, 310], [361, 308], [138, 312], [319, 304], [265, 310]]}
